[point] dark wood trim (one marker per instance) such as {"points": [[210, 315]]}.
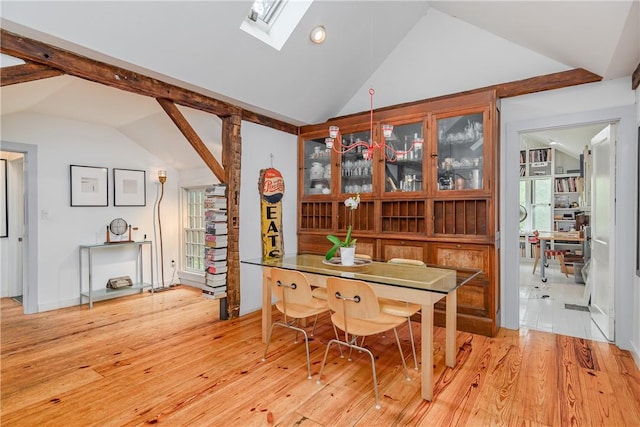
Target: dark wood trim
{"points": [[100, 72], [26, 73], [193, 138], [503, 90], [635, 78], [263, 120], [552, 81], [231, 160]]}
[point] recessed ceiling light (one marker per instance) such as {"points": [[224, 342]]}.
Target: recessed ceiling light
{"points": [[318, 34]]}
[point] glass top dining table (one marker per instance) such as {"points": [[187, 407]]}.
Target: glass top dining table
{"points": [[411, 283]]}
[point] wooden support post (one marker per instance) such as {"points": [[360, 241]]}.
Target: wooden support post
{"points": [[231, 156]]}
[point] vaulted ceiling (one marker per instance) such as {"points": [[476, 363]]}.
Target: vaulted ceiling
{"points": [[406, 50]]}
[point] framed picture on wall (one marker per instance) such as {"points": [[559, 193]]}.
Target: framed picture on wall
{"points": [[129, 187], [4, 203], [89, 186]]}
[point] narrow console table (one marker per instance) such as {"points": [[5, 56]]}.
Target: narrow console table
{"points": [[100, 294]]}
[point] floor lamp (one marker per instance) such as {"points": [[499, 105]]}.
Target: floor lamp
{"points": [[162, 177]]}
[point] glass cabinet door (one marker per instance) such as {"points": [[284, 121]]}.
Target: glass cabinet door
{"points": [[317, 167], [356, 172], [460, 152], [403, 158]]}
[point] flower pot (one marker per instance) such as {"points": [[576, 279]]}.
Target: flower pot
{"points": [[347, 256]]}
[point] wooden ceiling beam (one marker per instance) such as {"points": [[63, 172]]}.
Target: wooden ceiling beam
{"points": [[506, 90], [181, 122], [552, 81], [28, 72], [99, 72], [109, 75], [263, 120]]}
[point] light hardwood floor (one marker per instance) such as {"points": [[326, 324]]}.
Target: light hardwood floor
{"points": [[166, 359]]}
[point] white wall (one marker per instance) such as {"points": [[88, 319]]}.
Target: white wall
{"points": [[258, 145], [596, 102], [62, 228], [635, 320]]}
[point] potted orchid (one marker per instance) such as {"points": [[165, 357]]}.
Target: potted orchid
{"points": [[352, 204]]}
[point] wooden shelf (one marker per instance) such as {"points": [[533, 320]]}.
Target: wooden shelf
{"points": [[404, 216], [462, 217]]}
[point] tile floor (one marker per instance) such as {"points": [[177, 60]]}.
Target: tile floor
{"points": [[542, 305]]}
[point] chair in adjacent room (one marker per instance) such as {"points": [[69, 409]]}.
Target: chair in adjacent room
{"points": [[559, 255], [403, 308], [295, 302], [356, 312], [535, 241]]}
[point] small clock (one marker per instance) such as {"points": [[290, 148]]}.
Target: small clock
{"points": [[118, 227]]}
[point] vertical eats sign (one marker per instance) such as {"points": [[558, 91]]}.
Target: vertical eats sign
{"points": [[271, 187]]}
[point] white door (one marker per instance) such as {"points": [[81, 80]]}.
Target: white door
{"points": [[601, 276], [16, 224]]}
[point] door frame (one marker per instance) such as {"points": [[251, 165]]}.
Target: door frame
{"points": [[30, 242], [597, 315], [509, 194]]}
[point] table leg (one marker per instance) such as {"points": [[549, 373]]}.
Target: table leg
{"points": [[451, 328], [266, 303], [427, 352], [543, 259]]}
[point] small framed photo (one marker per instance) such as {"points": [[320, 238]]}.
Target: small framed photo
{"points": [[129, 187], [89, 186]]}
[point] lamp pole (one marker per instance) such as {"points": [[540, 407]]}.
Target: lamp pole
{"points": [[162, 177]]}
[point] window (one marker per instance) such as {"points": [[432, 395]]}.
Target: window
{"points": [[265, 11], [273, 21], [194, 230], [536, 197]]}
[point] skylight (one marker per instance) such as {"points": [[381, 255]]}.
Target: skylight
{"points": [[273, 21], [265, 10]]}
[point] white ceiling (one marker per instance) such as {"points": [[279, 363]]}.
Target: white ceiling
{"points": [[406, 50]]}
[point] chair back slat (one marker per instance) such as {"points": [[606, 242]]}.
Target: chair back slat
{"points": [[407, 261], [290, 286], [357, 299]]}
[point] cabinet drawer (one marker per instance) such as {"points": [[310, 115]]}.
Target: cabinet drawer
{"points": [[403, 249], [461, 255], [475, 299]]}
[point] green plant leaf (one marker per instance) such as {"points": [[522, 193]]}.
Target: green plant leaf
{"points": [[333, 239], [331, 252]]}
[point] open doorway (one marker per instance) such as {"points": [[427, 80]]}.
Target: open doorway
{"points": [[554, 201], [13, 224]]}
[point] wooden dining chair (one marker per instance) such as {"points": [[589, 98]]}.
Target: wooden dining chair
{"points": [[295, 301], [403, 308], [356, 312]]}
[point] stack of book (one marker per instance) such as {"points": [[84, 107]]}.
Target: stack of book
{"points": [[215, 251]]}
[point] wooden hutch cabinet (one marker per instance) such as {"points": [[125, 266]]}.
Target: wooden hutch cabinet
{"points": [[432, 194]]}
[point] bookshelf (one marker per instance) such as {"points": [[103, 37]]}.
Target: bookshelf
{"points": [[542, 166], [215, 250], [536, 162]]}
